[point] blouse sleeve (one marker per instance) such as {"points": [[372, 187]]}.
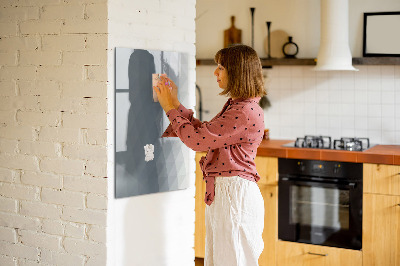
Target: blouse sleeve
{"points": [[188, 114], [223, 131]]}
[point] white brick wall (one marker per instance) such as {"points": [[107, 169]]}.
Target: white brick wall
{"points": [[53, 110]]}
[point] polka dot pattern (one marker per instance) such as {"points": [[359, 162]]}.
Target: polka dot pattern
{"points": [[231, 139]]}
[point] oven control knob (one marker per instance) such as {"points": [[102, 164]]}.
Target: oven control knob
{"points": [[336, 169], [302, 167]]}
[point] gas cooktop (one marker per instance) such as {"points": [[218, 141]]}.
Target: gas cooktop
{"points": [[325, 142]]}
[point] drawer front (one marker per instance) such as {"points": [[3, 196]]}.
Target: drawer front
{"points": [[294, 254], [381, 179]]}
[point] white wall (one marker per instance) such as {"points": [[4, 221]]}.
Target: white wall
{"points": [[338, 104], [53, 106], [155, 229], [298, 18]]}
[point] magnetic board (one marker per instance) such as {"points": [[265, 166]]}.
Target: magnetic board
{"points": [[144, 162]]}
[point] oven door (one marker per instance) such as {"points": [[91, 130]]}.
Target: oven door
{"points": [[321, 212]]}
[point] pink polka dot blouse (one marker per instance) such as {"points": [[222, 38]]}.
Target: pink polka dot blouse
{"points": [[231, 139]]}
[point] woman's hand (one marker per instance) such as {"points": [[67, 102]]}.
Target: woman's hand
{"points": [[174, 89], [164, 94]]}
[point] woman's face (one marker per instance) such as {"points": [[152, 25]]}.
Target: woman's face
{"points": [[222, 76]]}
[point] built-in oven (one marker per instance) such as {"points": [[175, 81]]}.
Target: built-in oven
{"points": [[320, 202]]}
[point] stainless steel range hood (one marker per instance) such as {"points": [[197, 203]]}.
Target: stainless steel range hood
{"points": [[334, 52]]}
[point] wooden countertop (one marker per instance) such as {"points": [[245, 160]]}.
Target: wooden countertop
{"points": [[379, 154]]}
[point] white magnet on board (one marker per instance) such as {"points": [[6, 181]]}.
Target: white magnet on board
{"points": [[148, 152]]}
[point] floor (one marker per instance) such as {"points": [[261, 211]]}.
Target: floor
{"points": [[199, 262]]}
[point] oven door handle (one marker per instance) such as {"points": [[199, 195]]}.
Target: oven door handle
{"points": [[336, 184]]}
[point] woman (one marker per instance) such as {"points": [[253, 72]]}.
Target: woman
{"points": [[235, 207]]}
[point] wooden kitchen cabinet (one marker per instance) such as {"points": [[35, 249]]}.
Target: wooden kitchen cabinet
{"points": [[267, 168], [270, 233], [381, 179], [200, 207], [298, 254], [381, 215], [381, 230]]}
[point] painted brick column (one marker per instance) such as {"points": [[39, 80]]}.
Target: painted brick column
{"points": [[53, 108]]}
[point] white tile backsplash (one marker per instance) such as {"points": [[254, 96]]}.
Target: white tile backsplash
{"points": [[364, 103]]}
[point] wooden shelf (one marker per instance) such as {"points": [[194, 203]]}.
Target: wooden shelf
{"points": [[376, 61], [312, 61]]}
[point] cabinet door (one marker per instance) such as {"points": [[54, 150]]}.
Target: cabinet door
{"points": [[270, 233], [297, 254], [267, 168], [381, 230], [381, 179], [200, 207]]}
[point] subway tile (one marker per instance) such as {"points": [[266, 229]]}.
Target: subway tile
{"points": [[308, 72], [347, 109], [374, 84], [374, 123], [335, 122], [322, 121], [348, 122], [334, 109], [388, 110], [284, 83], [374, 97], [374, 110], [348, 132], [334, 81], [285, 72], [361, 110], [360, 124], [297, 83], [397, 134], [397, 71], [310, 95], [348, 96], [397, 123], [373, 70], [375, 136], [388, 124], [310, 108], [296, 72], [388, 84], [361, 97], [387, 71], [322, 96], [388, 97], [388, 137], [335, 95], [322, 109]]}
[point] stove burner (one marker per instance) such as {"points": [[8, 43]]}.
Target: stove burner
{"points": [[351, 144], [308, 141], [324, 142]]}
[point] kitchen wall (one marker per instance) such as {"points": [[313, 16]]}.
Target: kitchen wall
{"points": [[53, 110], [339, 104], [154, 229], [56, 135]]}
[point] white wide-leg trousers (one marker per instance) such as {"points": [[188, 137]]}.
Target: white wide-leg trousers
{"points": [[234, 223]]}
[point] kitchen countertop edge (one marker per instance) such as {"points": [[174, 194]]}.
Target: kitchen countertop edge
{"points": [[379, 154]]}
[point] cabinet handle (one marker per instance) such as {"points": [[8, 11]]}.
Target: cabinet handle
{"points": [[398, 204], [318, 254]]}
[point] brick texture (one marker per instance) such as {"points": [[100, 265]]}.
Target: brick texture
{"points": [[53, 110]]}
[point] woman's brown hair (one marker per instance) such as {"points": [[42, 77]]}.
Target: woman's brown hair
{"points": [[245, 78]]}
